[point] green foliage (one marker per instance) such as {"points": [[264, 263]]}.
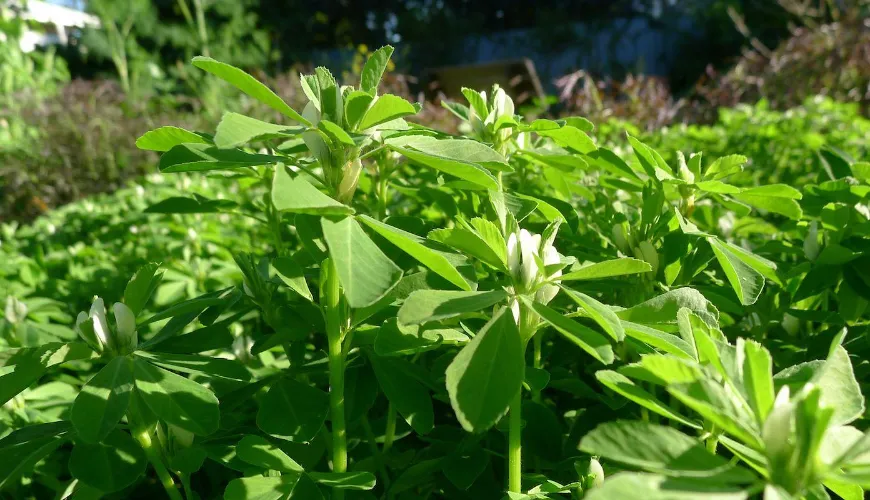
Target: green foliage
{"points": [[336, 302]]}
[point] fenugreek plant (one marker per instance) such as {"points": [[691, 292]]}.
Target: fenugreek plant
{"points": [[355, 305]]}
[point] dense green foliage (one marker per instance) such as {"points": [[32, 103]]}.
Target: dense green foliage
{"points": [[344, 304]]}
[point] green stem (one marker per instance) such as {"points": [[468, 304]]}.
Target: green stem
{"points": [[144, 439], [390, 431], [336, 372], [515, 442], [537, 340], [379, 456]]}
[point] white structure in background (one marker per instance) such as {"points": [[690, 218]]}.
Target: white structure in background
{"points": [[55, 22]]}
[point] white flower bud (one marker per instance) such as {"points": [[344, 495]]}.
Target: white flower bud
{"points": [[515, 309], [16, 310], [126, 338], [620, 239], [547, 292], [523, 252], [776, 432], [85, 330], [349, 180], [100, 324], [595, 473], [650, 255]]}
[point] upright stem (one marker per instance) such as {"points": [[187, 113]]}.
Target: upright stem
{"points": [[515, 443], [390, 431], [336, 372], [144, 439]]}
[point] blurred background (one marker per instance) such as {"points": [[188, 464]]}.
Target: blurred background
{"points": [[80, 80]]}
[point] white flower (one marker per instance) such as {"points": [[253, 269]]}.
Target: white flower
{"points": [[776, 432], [515, 309], [93, 328], [547, 292], [101, 326], [125, 328], [522, 250]]}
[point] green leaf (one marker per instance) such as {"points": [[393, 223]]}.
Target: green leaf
{"points": [[109, 466], [476, 101], [725, 166], [717, 187], [404, 392], [600, 313], [227, 369], [365, 273], [293, 410], [193, 307], [839, 387], [607, 269], [487, 373], [177, 400], [414, 246], [757, 377], [777, 198], [464, 150], [663, 341], [141, 287], [284, 487], [471, 243], [259, 451], [196, 205], [664, 308], [386, 108], [661, 449], [355, 480], [861, 171], [396, 339], [331, 106], [297, 195], [188, 460], [22, 449], [30, 363], [165, 138], [103, 401], [657, 487], [571, 138], [460, 168], [292, 274], [746, 281], [249, 85], [624, 386], [335, 133], [423, 306], [587, 339], [236, 130], [355, 106], [374, 68], [651, 161], [201, 157]]}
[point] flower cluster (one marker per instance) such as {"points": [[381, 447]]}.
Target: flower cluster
{"points": [[93, 328], [528, 256]]}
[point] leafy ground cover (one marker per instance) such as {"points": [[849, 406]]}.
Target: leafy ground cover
{"points": [[346, 304]]}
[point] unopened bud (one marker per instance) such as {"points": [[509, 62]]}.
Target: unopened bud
{"points": [[620, 239], [349, 179], [594, 474], [16, 310], [649, 254], [125, 338]]}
